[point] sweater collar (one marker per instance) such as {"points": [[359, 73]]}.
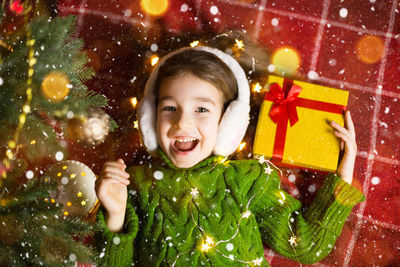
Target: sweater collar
{"points": [[208, 161]]}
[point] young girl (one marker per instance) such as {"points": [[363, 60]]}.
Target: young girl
{"points": [[195, 207]]}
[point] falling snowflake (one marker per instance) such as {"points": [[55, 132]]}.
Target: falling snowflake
{"points": [[343, 12]]}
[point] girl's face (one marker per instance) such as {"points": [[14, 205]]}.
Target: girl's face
{"points": [[188, 113]]}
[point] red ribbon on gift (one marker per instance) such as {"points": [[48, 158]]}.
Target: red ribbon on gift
{"points": [[285, 101]]}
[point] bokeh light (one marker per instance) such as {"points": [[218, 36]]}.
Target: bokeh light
{"points": [[286, 60], [154, 7], [369, 49], [55, 86]]}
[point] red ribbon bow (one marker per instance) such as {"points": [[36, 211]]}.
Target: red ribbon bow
{"points": [[284, 106]]}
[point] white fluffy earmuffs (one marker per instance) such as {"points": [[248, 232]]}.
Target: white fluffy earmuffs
{"points": [[233, 124]]}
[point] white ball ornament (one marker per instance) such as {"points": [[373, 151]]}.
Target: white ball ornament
{"points": [[92, 129], [96, 127]]}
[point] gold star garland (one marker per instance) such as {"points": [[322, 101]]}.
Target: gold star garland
{"points": [[26, 108]]}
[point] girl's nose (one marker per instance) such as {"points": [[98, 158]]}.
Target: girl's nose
{"points": [[184, 120]]}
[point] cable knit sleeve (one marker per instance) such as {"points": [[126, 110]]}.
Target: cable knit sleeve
{"points": [[117, 249], [309, 236]]}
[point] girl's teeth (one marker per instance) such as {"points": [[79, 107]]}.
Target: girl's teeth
{"points": [[187, 139]]}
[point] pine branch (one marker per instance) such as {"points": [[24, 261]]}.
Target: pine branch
{"points": [[35, 227], [113, 124], [72, 45], [90, 97], [9, 256], [84, 74]]}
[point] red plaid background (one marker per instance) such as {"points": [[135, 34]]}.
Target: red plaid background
{"points": [[326, 45]]}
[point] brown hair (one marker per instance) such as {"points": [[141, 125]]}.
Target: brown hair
{"points": [[203, 65]]}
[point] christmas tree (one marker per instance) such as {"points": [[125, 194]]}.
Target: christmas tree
{"points": [[44, 104]]}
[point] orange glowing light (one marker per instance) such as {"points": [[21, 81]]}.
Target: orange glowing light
{"points": [[369, 49], [154, 7], [242, 145], [286, 61], [194, 43], [154, 60], [134, 101], [257, 88], [239, 44]]}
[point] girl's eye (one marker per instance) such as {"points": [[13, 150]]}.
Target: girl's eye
{"points": [[202, 110], [169, 108]]}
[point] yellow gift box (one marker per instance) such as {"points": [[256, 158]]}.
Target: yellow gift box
{"points": [[294, 124]]}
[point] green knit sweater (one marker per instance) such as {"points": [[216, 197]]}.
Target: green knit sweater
{"points": [[218, 213]]}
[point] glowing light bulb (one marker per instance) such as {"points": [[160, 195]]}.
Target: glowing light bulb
{"points": [[194, 43], [208, 244], [241, 146], [134, 101], [257, 88], [257, 262], [246, 214], [205, 247], [239, 44], [194, 192], [268, 170], [209, 240], [154, 60], [292, 240]]}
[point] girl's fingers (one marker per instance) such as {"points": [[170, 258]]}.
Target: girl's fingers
{"points": [[116, 178], [115, 164], [103, 184], [347, 140], [337, 126], [350, 124], [115, 170], [341, 129]]}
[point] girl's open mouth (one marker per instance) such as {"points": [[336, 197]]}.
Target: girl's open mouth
{"points": [[185, 144]]}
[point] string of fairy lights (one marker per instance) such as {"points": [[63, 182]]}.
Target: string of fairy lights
{"points": [[209, 243]]}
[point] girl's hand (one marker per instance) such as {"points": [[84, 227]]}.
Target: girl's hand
{"points": [[348, 136], [112, 193]]}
